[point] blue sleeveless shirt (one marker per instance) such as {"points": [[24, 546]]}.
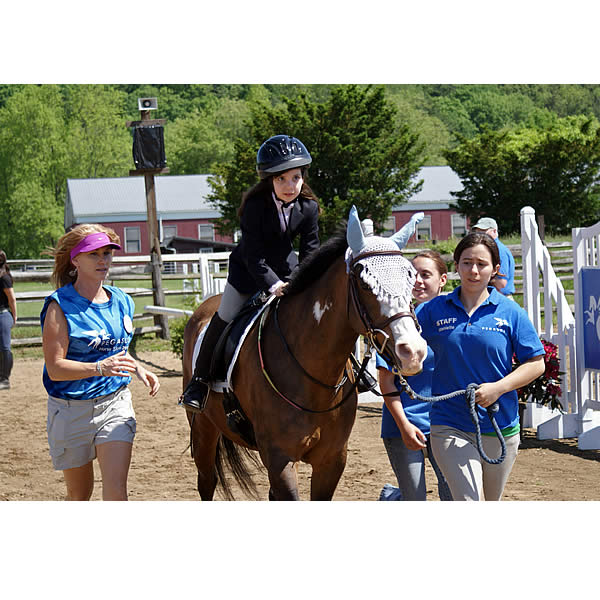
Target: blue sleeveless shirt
{"points": [[95, 332]]}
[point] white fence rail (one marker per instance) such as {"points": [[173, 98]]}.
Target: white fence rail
{"points": [[580, 418], [536, 261]]}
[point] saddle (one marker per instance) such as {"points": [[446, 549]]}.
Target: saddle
{"points": [[233, 335]]}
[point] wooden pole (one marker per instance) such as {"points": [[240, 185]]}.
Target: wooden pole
{"points": [[153, 234], [541, 226], [155, 256]]}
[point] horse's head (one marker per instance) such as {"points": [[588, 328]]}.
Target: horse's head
{"points": [[381, 288]]}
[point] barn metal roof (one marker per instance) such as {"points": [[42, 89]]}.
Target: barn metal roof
{"points": [[98, 200], [186, 197], [438, 182]]}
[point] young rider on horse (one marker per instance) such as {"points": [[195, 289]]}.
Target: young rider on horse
{"points": [[279, 208]]}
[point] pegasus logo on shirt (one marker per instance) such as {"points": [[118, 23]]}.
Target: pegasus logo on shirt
{"points": [[500, 322], [98, 337]]}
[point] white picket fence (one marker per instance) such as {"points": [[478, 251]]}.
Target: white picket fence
{"points": [[580, 418]]}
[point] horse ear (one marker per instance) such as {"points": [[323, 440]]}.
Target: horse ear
{"points": [[402, 236], [354, 232]]}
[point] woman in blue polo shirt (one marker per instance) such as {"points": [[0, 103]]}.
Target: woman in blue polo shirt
{"points": [[474, 332]]}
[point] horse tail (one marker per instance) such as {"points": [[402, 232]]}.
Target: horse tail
{"points": [[237, 459]]}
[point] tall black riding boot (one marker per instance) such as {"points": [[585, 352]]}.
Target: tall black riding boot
{"points": [[194, 396], [6, 363]]}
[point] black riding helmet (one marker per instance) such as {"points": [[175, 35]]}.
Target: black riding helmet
{"points": [[280, 153]]}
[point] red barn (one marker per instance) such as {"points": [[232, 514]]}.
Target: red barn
{"points": [[185, 215], [182, 209], [442, 220]]}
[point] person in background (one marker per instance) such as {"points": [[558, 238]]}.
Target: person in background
{"points": [[273, 213], [474, 333], [504, 281], [405, 422], [8, 318], [86, 330]]}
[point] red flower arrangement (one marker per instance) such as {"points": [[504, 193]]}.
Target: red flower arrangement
{"points": [[546, 388]]}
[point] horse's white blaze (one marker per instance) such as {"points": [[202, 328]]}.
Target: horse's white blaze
{"points": [[408, 344], [318, 312]]}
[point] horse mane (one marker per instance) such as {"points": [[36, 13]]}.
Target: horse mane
{"points": [[318, 261]]}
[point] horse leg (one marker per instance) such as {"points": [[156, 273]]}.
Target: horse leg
{"points": [[204, 439], [326, 475], [282, 476]]}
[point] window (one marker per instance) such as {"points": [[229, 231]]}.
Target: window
{"points": [[424, 229], [133, 242], [237, 236], [459, 226], [169, 231], [389, 227], [206, 231]]}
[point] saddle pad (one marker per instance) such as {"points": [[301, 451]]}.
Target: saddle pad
{"points": [[219, 386], [243, 337]]}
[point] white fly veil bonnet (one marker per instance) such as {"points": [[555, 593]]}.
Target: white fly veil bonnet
{"points": [[390, 277]]}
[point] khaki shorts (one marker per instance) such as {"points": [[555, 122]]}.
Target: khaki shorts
{"points": [[75, 427]]}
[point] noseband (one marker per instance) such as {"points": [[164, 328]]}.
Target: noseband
{"points": [[373, 329]]}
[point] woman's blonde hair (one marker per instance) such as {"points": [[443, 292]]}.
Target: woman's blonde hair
{"points": [[64, 272]]}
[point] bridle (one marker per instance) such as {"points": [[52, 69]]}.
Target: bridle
{"points": [[371, 331], [374, 329]]}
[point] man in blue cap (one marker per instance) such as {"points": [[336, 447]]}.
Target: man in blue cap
{"points": [[505, 280]]}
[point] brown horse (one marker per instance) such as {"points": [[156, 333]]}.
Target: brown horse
{"points": [[291, 376]]}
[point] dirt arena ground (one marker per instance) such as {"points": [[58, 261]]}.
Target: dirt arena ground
{"points": [[162, 468]]}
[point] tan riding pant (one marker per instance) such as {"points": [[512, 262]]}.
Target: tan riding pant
{"points": [[467, 474], [231, 302]]}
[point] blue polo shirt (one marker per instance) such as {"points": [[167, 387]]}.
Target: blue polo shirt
{"points": [[507, 268], [416, 412], [476, 349]]}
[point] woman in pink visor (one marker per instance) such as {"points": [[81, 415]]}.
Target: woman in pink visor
{"points": [[86, 330]]}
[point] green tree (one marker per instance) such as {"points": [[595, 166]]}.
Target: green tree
{"points": [[32, 220], [199, 141], [553, 170], [33, 155], [361, 155], [99, 144], [414, 110], [49, 133]]}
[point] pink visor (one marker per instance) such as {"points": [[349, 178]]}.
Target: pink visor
{"points": [[93, 241]]}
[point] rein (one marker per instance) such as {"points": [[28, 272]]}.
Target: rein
{"points": [[336, 388]]}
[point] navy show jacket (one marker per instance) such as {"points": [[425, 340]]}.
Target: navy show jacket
{"points": [[265, 253]]}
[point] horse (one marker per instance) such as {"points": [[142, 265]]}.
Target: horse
{"points": [[292, 377]]}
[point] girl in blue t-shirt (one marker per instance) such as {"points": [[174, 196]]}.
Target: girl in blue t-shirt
{"points": [[86, 330], [405, 422], [474, 333]]}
